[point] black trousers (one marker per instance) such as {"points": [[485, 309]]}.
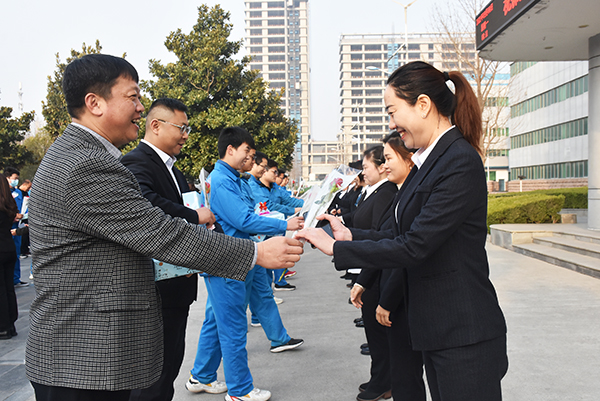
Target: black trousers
{"points": [[380, 380], [8, 300], [405, 363], [174, 325], [469, 373], [52, 393]]}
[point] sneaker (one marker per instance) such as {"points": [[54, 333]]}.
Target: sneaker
{"points": [[31, 277], [293, 343], [21, 284], [287, 287], [278, 301], [254, 395], [215, 387], [255, 324], [290, 273]]}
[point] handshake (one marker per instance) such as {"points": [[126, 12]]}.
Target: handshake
{"points": [[281, 252]]}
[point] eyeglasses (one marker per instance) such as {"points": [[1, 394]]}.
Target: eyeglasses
{"points": [[264, 166], [184, 129]]}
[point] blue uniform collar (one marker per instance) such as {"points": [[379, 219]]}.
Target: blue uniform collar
{"points": [[227, 169]]}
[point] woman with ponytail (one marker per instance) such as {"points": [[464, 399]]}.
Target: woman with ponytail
{"points": [[438, 240]]}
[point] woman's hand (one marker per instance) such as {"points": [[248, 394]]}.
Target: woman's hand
{"points": [[340, 231], [296, 223], [356, 295], [383, 316], [318, 238]]}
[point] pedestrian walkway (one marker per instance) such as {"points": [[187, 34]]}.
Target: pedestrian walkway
{"points": [[553, 336]]}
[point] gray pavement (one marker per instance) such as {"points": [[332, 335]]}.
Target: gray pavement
{"points": [[553, 336]]}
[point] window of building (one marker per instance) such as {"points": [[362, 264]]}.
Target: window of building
{"points": [[256, 66], [256, 41], [257, 58], [357, 84], [430, 46], [276, 49], [276, 85], [256, 50], [356, 66], [414, 56], [277, 76], [374, 101], [256, 4], [356, 74], [275, 4], [276, 22], [256, 22], [276, 40], [357, 93], [277, 57], [356, 56], [370, 48], [376, 65], [355, 48], [414, 46], [570, 89], [255, 14], [371, 84], [566, 130], [373, 74], [431, 56], [373, 110], [373, 56], [276, 13], [276, 67], [373, 128], [255, 32], [373, 92], [576, 169], [467, 46], [374, 120], [276, 31]]}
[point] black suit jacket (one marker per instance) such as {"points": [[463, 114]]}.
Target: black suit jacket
{"points": [[158, 187], [439, 238]]}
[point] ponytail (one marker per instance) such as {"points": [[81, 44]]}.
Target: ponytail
{"points": [[467, 114]]}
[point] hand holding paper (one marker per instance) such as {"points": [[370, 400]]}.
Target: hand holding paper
{"points": [[279, 252]]}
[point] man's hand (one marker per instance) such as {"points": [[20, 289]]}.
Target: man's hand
{"points": [[356, 295], [205, 216], [18, 217], [297, 223], [383, 316], [318, 238], [278, 253], [296, 210]]}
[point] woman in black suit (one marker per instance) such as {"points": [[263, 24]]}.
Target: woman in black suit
{"points": [[8, 256], [438, 240], [376, 199], [392, 356]]}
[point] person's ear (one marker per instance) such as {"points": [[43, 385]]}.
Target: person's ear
{"points": [[423, 105], [95, 104]]}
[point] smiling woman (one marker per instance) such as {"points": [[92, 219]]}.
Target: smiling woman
{"points": [[437, 242]]}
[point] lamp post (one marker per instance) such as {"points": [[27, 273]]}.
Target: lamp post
{"points": [[405, 27]]}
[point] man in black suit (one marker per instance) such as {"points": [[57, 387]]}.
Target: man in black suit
{"points": [[163, 184]]}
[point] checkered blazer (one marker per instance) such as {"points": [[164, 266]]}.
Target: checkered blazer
{"points": [[95, 321]]}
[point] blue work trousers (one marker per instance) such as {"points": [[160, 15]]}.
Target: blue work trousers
{"points": [[260, 297], [223, 335], [17, 270]]}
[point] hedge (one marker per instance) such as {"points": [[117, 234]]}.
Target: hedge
{"points": [[529, 207], [575, 198]]}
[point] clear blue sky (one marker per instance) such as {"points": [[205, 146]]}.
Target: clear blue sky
{"points": [[34, 31]]}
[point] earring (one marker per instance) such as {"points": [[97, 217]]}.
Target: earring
{"points": [[424, 115]]}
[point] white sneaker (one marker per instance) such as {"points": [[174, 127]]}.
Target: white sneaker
{"points": [[215, 387], [255, 324], [254, 395], [278, 301]]}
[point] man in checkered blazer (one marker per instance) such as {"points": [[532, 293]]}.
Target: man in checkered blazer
{"points": [[96, 327]]}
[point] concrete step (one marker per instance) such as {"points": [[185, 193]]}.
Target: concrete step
{"points": [[571, 244], [580, 263], [587, 238]]}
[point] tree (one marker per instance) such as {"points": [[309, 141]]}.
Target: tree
{"points": [[54, 109], [456, 22], [219, 92], [12, 132]]}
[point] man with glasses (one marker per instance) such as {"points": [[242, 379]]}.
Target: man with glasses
{"points": [[162, 184]]}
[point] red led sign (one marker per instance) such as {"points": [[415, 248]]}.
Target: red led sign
{"points": [[497, 16]]}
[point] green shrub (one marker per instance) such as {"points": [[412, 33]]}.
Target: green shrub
{"points": [[529, 207], [575, 198]]}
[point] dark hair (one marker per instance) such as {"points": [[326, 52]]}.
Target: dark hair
{"points": [[259, 157], [280, 171], [9, 170], [7, 202], [271, 163], [234, 136], [356, 164], [375, 154], [93, 73], [420, 78], [168, 103], [395, 141]]}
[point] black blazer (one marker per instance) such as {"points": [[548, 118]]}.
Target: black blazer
{"points": [[368, 214], [158, 187], [439, 238]]}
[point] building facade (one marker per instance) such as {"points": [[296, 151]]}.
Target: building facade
{"points": [[548, 124], [277, 39]]}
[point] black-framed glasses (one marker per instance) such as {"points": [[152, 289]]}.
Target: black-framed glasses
{"points": [[184, 129]]}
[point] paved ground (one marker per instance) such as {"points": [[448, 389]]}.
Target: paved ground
{"points": [[553, 339]]}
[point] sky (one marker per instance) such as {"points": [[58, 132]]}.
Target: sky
{"points": [[33, 31]]}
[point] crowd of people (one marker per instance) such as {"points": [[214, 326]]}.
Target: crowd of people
{"points": [[410, 233]]}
